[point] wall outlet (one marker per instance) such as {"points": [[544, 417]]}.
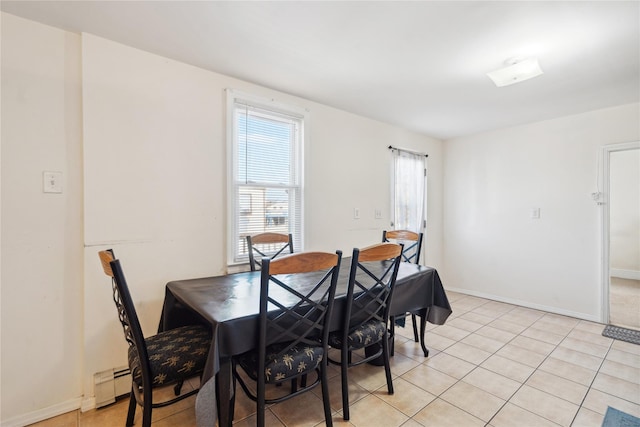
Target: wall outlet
{"points": [[378, 213], [535, 213]]}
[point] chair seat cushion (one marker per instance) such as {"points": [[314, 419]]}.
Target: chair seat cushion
{"points": [[174, 355], [366, 334], [299, 360]]}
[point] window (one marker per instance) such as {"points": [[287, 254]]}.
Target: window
{"points": [[408, 191], [266, 142]]}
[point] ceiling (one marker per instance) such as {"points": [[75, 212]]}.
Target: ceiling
{"points": [[420, 65]]}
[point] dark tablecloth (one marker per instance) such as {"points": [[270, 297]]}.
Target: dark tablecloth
{"points": [[229, 305]]}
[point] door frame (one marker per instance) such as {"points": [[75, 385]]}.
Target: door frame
{"points": [[602, 198]]}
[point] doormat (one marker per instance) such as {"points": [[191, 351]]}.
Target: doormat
{"points": [[616, 418], [622, 334]]}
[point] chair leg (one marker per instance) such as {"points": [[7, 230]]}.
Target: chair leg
{"points": [[344, 366], [392, 331], [415, 328], [328, 420], [147, 407], [387, 363], [131, 414]]}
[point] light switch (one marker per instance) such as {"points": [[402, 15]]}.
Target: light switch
{"points": [[535, 213], [378, 213], [52, 182], [356, 213]]}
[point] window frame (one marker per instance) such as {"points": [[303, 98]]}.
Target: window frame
{"points": [[234, 97]]}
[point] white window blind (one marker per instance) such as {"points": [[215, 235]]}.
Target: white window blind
{"points": [[408, 190], [266, 149]]}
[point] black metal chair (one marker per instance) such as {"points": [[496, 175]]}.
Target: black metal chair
{"points": [[267, 245], [366, 311], [296, 299], [411, 253], [168, 358]]}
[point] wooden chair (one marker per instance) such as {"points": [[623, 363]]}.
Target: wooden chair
{"points": [[296, 299], [161, 360], [411, 253], [366, 312], [267, 245]]}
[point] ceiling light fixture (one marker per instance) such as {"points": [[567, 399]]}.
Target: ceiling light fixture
{"points": [[516, 71]]}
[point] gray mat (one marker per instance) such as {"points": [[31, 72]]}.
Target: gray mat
{"points": [[616, 418], [622, 334]]}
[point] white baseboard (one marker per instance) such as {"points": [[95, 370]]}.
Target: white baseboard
{"points": [[625, 274], [43, 414], [554, 310], [88, 404]]}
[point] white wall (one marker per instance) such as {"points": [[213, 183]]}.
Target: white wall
{"points": [[154, 161], [492, 180], [42, 347], [624, 205], [140, 140]]}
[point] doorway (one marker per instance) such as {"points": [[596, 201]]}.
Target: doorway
{"points": [[621, 234]]}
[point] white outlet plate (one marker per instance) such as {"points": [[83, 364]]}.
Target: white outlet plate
{"points": [[535, 213], [356, 213], [51, 182], [378, 213]]}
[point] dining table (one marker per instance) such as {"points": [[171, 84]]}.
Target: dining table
{"points": [[228, 304]]}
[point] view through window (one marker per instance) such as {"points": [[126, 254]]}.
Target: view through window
{"points": [[267, 180]]}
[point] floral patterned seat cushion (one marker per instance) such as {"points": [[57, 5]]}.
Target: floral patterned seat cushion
{"points": [[299, 360], [174, 355], [364, 335]]}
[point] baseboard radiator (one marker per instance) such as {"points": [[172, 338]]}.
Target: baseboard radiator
{"points": [[110, 384]]}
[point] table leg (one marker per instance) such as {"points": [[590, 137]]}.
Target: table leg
{"points": [[224, 392], [423, 327]]}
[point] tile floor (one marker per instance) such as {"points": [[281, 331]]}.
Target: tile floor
{"points": [[492, 364]]}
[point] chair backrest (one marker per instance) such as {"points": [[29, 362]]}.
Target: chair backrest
{"points": [[412, 243], [267, 245], [126, 311], [372, 279], [296, 300]]}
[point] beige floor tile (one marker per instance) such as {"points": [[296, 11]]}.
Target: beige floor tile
{"points": [[511, 415], [477, 318], [450, 365], [591, 337], [486, 311], [544, 336], [436, 341], [509, 368], [367, 376], [374, 412], [496, 334], [466, 325], [473, 400], [598, 401], [552, 325], [483, 343], [619, 370], [568, 371], [468, 353], [585, 347], [429, 379], [186, 418], [617, 387], [109, 416], [557, 386], [412, 423], [533, 345], [626, 347], [624, 357], [507, 326], [560, 320], [521, 355], [303, 410], [547, 406], [493, 383], [451, 332], [443, 414], [587, 418], [400, 363], [270, 419], [407, 398], [70, 419], [519, 319], [530, 312], [593, 327], [335, 392], [577, 358]]}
